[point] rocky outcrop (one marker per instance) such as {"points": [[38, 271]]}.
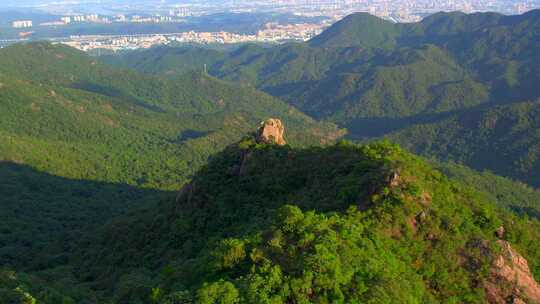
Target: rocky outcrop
{"points": [[500, 232], [271, 132], [394, 179], [511, 280]]}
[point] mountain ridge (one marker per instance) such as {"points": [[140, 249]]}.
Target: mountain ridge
{"points": [[445, 64], [302, 228]]}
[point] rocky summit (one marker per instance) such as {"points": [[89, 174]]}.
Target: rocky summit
{"points": [[272, 131]]}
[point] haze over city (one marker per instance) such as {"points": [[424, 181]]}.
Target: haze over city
{"points": [[131, 24], [325, 7]]}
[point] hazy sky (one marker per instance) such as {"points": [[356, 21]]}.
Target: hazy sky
{"points": [[104, 3]]}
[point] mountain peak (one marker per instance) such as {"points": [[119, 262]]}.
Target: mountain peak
{"points": [[272, 131], [359, 29]]}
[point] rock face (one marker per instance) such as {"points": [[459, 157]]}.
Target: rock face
{"points": [[185, 196], [271, 132], [511, 280], [500, 232]]}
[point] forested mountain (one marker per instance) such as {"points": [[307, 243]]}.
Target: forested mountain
{"points": [[366, 64], [375, 77], [124, 187], [261, 224]]}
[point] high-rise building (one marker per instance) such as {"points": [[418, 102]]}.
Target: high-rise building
{"points": [[92, 18], [22, 23], [120, 18]]}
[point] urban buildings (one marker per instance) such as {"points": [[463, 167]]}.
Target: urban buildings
{"points": [[272, 33], [22, 23]]}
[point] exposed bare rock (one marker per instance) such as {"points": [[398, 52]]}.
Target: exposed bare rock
{"points": [[394, 180], [511, 280], [500, 232], [271, 132], [425, 198]]}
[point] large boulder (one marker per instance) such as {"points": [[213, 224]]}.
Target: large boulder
{"points": [[511, 280], [271, 132]]}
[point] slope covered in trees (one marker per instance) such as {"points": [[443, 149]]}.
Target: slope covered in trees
{"points": [[503, 138], [410, 68], [375, 77], [65, 114]]}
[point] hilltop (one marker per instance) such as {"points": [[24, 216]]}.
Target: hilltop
{"points": [[360, 29], [260, 223]]}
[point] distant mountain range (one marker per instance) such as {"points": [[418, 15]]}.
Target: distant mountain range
{"points": [[377, 78]]}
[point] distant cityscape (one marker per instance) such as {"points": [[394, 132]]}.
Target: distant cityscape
{"points": [[273, 33], [153, 12]]}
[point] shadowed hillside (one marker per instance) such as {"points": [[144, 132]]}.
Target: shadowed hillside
{"points": [[501, 139], [264, 221]]}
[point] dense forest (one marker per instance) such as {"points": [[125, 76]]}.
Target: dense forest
{"points": [[141, 178], [369, 223], [377, 78]]}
